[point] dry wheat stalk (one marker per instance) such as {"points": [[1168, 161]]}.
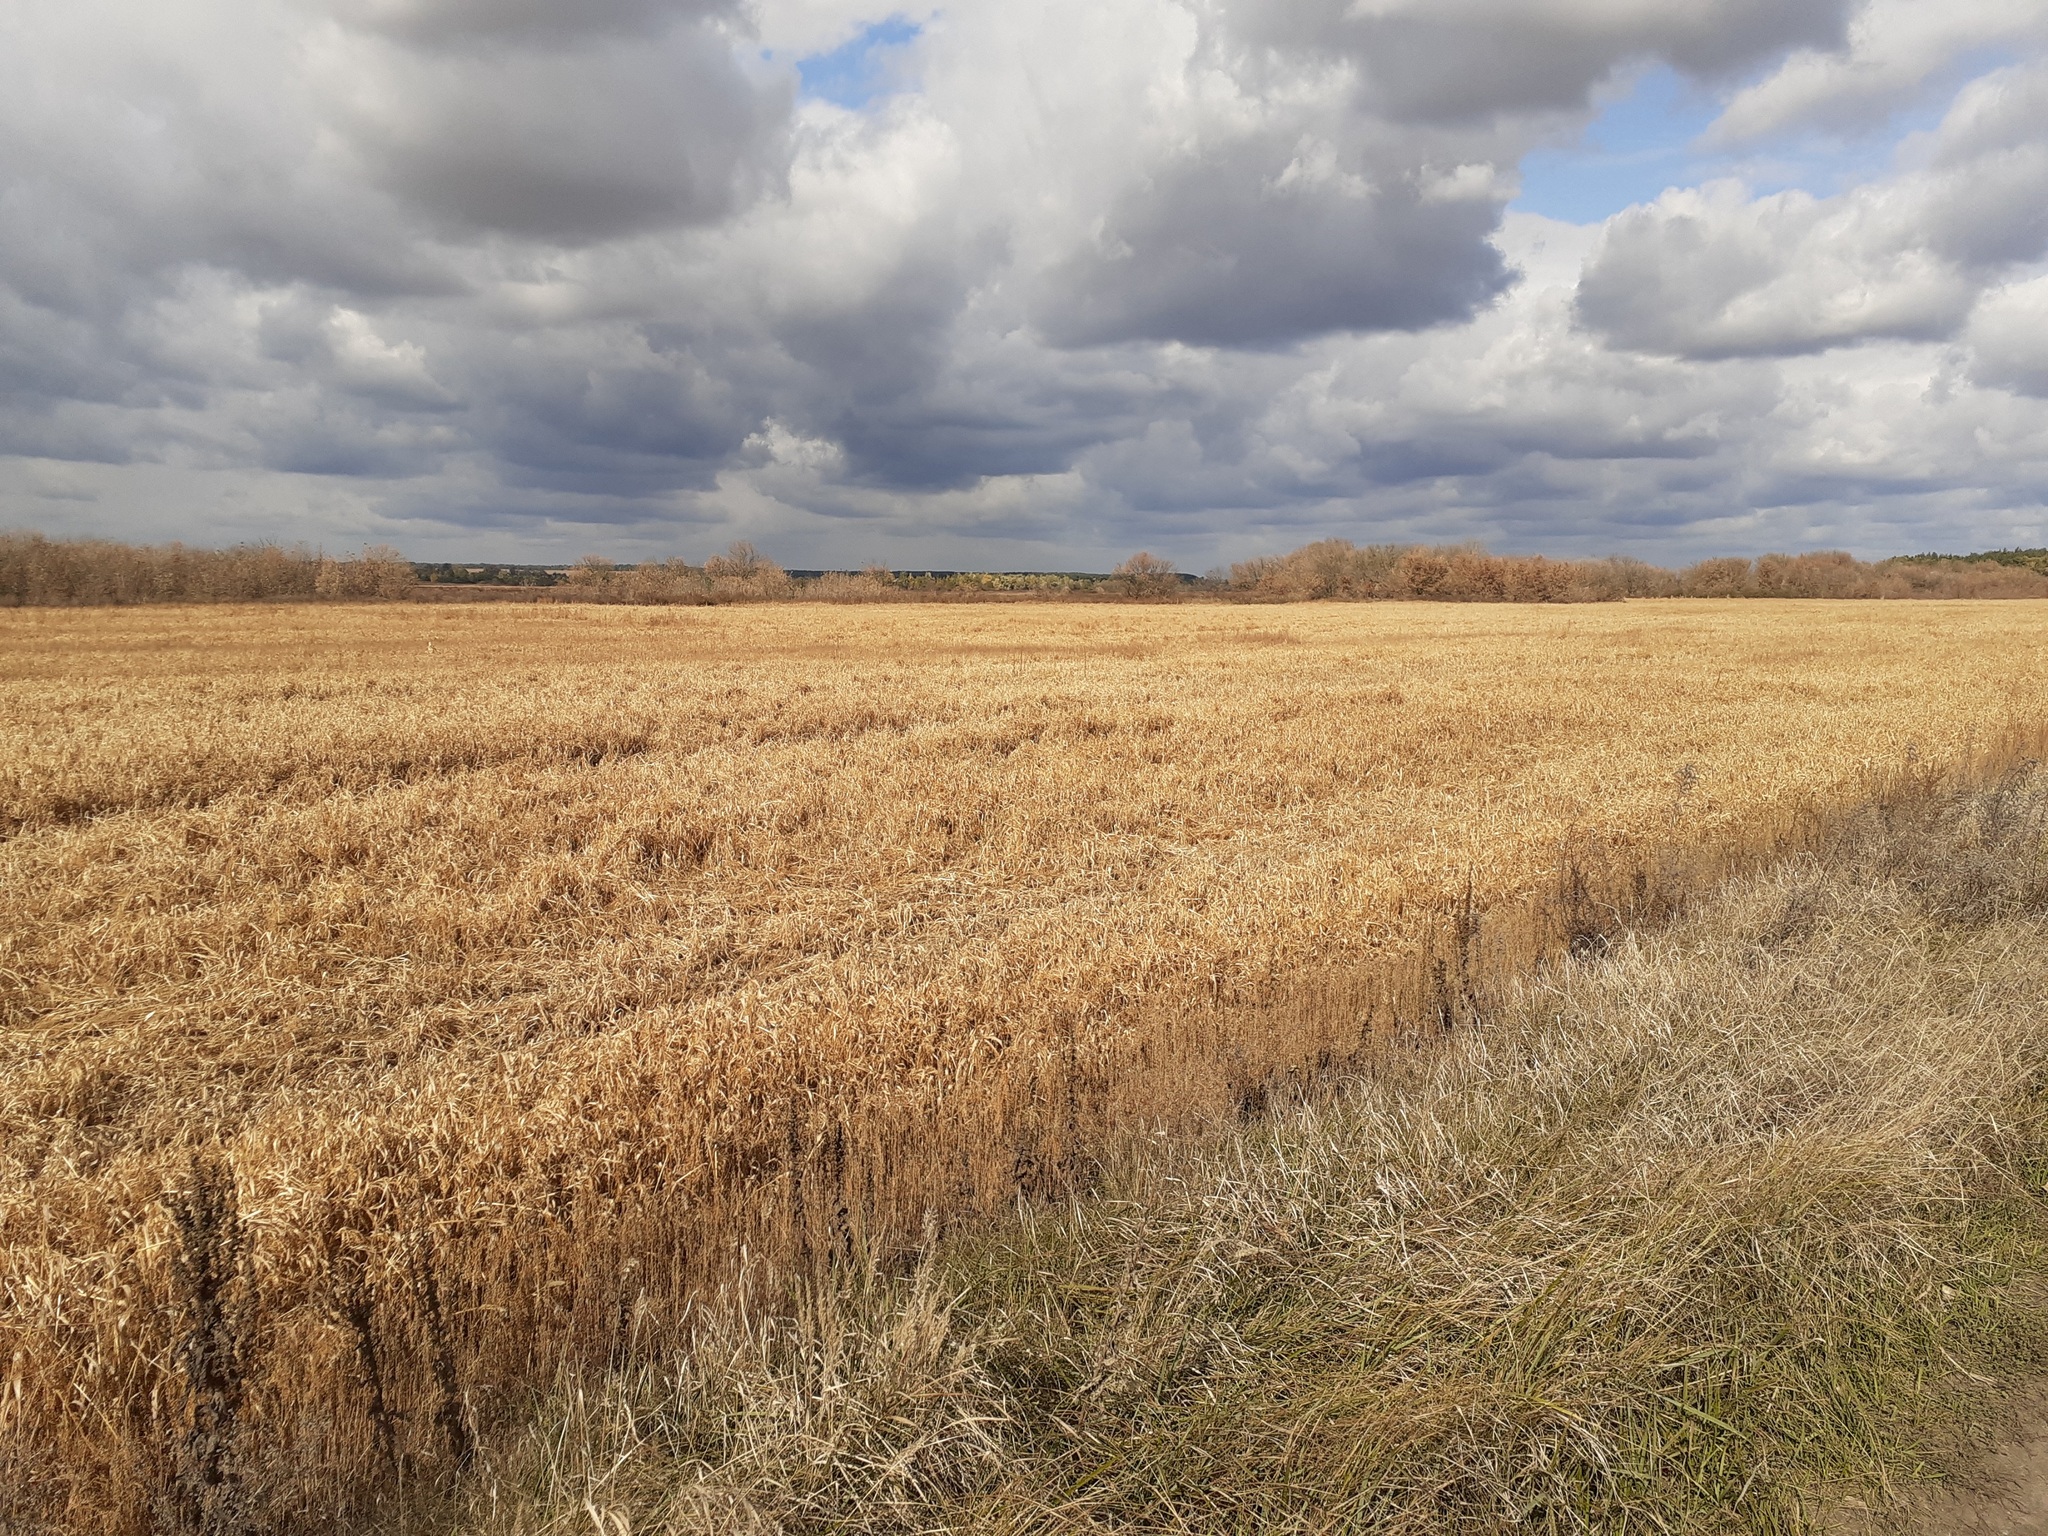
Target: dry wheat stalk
{"points": [[587, 946]]}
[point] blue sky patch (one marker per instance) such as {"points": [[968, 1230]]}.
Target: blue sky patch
{"points": [[1649, 139], [863, 68], [1639, 145]]}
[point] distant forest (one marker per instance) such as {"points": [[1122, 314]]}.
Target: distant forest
{"points": [[36, 571]]}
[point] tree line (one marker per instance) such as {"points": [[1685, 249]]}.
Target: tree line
{"points": [[36, 571]]}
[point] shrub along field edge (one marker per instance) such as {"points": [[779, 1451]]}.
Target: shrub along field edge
{"points": [[37, 572]]}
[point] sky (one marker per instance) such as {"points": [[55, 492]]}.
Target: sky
{"points": [[998, 286]]}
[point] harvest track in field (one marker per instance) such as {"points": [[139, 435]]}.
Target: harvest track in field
{"points": [[512, 968]]}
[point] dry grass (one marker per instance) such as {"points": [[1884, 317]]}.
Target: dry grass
{"points": [[524, 966], [1703, 1234]]}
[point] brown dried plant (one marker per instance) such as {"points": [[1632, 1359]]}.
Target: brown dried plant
{"points": [[605, 953], [213, 1358], [1735, 1226]]}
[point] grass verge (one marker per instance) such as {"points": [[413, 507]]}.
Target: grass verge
{"points": [[1703, 1232]]}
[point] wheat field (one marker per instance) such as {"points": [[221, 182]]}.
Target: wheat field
{"points": [[1714, 1231], [402, 1005]]}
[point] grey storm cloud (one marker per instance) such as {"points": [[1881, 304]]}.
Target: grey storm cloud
{"points": [[466, 24], [570, 141], [1476, 58], [1228, 249], [1088, 276], [1296, 230]]}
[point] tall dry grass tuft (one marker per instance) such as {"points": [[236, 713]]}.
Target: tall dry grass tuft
{"points": [[1701, 1233], [541, 971]]}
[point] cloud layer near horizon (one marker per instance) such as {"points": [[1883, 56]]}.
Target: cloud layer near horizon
{"points": [[520, 278]]}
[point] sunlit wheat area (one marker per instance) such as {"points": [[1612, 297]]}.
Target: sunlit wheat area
{"points": [[491, 985]]}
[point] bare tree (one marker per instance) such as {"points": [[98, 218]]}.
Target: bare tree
{"points": [[1146, 575]]}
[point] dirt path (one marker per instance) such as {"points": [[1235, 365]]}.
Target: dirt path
{"points": [[2004, 1494]]}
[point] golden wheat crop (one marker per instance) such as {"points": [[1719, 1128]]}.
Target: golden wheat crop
{"points": [[515, 969], [1704, 1233]]}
